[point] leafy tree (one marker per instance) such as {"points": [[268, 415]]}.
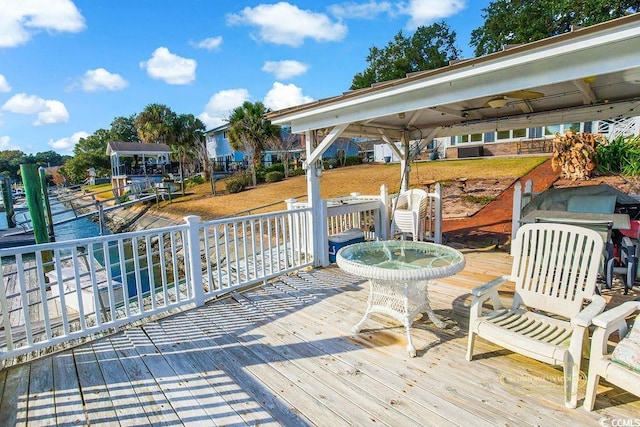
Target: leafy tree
{"points": [[124, 129], [524, 21], [428, 48], [249, 131], [89, 152], [10, 161], [283, 145], [154, 124], [188, 134], [48, 158]]}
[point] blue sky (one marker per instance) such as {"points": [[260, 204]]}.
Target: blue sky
{"points": [[68, 68]]}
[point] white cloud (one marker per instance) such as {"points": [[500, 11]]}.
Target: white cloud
{"points": [[49, 111], [283, 96], [420, 12], [360, 10], [21, 19], [284, 23], [66, 145], [5, 144], [425, 12], [55, 112], [22, 103], [284, 70], [173, 69], [210, 43], [220, 105], [4, 84], [101, 79]]}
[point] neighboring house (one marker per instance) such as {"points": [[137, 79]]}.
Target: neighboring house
{"points": [[226, 159]]}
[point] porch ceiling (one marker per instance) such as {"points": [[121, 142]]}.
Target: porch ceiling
{"points": [[588, 74]]}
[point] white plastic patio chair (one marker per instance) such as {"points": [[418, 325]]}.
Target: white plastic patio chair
{"points": [[622, 366], [410, 213], [555, 267], [605, 230]]}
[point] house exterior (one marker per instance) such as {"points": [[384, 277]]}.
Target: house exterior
{"points": [[226, 159], [219, 150], [529, 140]]}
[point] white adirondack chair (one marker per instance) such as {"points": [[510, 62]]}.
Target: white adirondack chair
{"points": [[555, 267], [615, 367], [410, 213]]}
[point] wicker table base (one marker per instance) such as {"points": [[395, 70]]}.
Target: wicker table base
{"points": [[402, 301]]}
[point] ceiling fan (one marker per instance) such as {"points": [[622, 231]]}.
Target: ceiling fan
{"points": [[502, 100]]}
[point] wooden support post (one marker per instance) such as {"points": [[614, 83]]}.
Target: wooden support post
{"points": [[7, 200], [47, 205], [33, 193], [103, 225]]}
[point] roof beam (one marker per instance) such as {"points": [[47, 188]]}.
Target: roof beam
{"points": [[525, 106], [316, 153], [588, 97], [448, 110]]}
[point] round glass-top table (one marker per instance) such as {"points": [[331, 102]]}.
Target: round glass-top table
{"points": [[399, 272]]}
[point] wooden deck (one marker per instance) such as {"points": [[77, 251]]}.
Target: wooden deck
{"points": [[283, 354]]}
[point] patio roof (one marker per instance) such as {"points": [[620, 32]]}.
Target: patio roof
{"points": [[587, 74], [137, 148]]}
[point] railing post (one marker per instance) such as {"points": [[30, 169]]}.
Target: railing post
{"points": [[437, 232], [528, 193], [517, 209], [194, 256], [321, 233], [383, 227]]}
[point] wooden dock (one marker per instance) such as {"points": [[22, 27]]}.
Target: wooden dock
{"points": [[284, 354]]}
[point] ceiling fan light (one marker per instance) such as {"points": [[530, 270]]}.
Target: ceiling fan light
{"points": [[498, 102]]}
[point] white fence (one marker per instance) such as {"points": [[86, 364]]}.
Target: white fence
{"points": [[370, 214], [56, 292]]}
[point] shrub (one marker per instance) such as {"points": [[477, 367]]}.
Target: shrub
{"points": [[622, 155], [296, 172], [276, 167], [194, 180], [274, 176], [235, 185], [353, 160], [329, 163], [260, 172]]}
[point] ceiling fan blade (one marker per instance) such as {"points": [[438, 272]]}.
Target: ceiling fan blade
{"points": [[524, 94]]}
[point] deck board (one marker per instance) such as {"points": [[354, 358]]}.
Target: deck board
{"points": [[284, 354]]}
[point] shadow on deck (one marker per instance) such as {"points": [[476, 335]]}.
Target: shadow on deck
{"points": [[283, 354]]}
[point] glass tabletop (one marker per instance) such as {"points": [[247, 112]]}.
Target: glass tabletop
{"points": [[400, 260]]}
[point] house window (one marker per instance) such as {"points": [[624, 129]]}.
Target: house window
{"points": [[552, 130], [587, 127], [535, 132], [503, 134], [573, 127], [519, 133], [474, 137], [511, 134], [489, 137]]}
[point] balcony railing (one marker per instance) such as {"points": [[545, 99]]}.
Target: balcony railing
{"points": [[54, 293]]}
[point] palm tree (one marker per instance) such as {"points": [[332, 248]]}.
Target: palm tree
{"points": [[188, 134], [154, 124], [249, 131]]}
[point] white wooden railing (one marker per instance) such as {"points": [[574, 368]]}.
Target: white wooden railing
{"points": [[370, 214], [54, 293]]}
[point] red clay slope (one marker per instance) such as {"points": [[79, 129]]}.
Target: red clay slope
{"points": [[492, 224]]}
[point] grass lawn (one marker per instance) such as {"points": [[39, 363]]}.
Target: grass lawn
{"points": [[365, 179]]}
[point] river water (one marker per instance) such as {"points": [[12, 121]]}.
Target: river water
{"points": [[83, 228]]}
